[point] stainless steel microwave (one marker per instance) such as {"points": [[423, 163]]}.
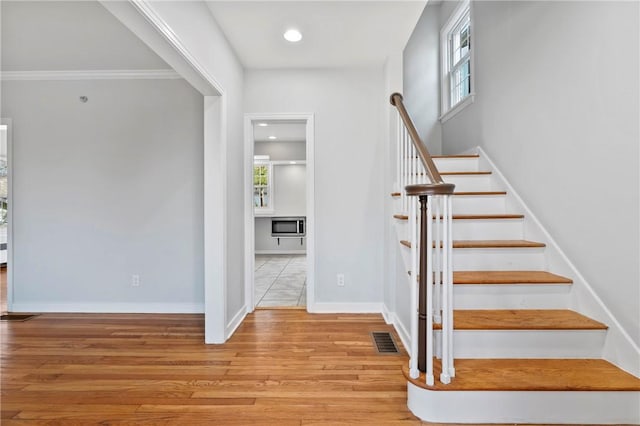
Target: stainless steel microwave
{"points": [[288, 226]]}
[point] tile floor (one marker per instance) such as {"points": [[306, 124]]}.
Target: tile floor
{"points": [[280, 280]]}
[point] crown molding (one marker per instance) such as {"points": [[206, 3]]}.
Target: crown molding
{"points": [[160, 74]]}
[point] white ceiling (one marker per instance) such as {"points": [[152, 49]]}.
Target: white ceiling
{"points": [[283, 131], [336, 34]]}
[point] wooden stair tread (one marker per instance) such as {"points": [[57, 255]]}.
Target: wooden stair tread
{"points": [[469, 173], [461, 244], [522, 319], [496, 244], [532, 375], [508, 277], [472, 216], [457, 156], [480, 193]]}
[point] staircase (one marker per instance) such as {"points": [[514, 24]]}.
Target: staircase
{"points": [[521, 354]]}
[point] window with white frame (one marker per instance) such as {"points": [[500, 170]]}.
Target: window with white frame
{"points": [[455, 43], [262, 185]]}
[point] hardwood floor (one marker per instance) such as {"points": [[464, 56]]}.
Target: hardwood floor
{"points": [[284, 367]]}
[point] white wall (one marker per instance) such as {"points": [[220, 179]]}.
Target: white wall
{"points": [[197, 30], [107, 189], [392, 287], [69, 35], [282, 151], [349, 181], [265, 243], [289, 189], [289, 192], [557, 108], [421, 78]]}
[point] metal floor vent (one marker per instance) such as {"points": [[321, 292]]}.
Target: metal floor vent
{"points": [[16, 317], [383, 342]]}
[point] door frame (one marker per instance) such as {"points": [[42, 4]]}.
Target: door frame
{"points": [[249, 217], [9, 123]]}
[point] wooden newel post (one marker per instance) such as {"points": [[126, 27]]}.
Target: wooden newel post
{"points": [[422, 285]]}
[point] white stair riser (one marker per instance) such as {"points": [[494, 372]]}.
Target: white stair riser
{"points": [[456, 164], [528, 259], [526, 343], [540, 407], [477, 229], [511, 296], [472, 182], [481, 229], [471, 204], [488, 229]]}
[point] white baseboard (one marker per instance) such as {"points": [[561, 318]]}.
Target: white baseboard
{"points": [[405, 337], [388, 316], [280, 252], [392, 319], [111, 308], [235, 322], [345, 308]]}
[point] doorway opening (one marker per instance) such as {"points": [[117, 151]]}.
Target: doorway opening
{"points": [[279, 214], [6, 289]]}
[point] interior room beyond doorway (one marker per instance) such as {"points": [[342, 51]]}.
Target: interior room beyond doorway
{"points": [[279, 207]]}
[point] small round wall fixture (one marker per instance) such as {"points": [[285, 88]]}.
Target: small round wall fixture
{"points": [[83, 99], [292, 35]]}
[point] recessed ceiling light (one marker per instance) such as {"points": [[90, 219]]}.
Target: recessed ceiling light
{"points": [[293, 35], [272, 137], [292, 162], [262, 124]]}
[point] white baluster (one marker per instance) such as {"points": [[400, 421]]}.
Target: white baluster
{"points": [[398, 148], [403, 181], [429, 276], [437, 237], [449, 279], [446, 303]]}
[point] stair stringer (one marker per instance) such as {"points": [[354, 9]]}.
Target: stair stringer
{"points": [[618, 348], [542, 407]]}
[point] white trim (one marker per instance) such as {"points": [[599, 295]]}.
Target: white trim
{"points": [[145, 9], [10, 289], [447, 111], [619, 349], [111, 308], [392, 318], [215, 179], [289, 163], [280, 252], [235, 322], [457, 108], [540, 407], [346, 308], [158, 74], [249, 215], [388, 316], [215, 218], [271, 208]]}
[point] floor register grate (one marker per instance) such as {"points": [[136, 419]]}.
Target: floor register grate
{"points": [[384, 343], [16, 317]]}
